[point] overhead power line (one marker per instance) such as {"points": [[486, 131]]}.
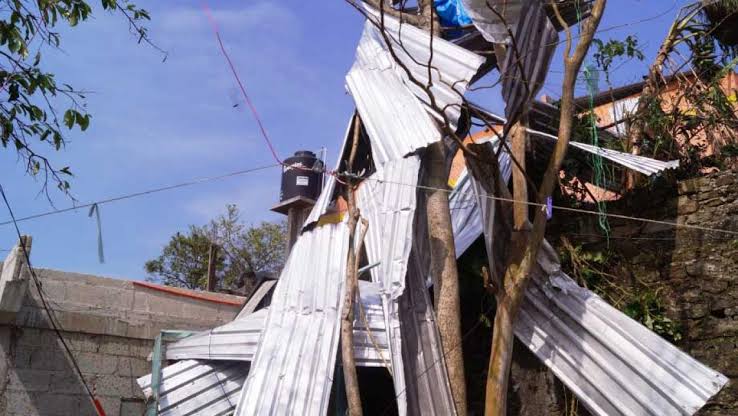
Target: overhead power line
{"points": [[142, 193]]}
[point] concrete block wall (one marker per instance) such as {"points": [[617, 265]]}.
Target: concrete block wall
{"points": [[39, 378], [110, 325]]}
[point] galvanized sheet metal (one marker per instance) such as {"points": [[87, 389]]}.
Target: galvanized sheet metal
{"points": [[525, 67], [324, 200], [452, 67], [237, 340], [387, 199], [189, 384], [198, 388], [428, 390], [393, 117], [494, 25], [612, 363], [255, 299], [466, 214], [644, 165], [293, 367]]}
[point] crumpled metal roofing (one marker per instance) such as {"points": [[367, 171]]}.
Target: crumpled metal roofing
{"points": [[192, 387], [642, 164], [189, 384], [612, 363], [466, 214], [387, 199], [292, 371], [237, 340], [394, 109], [452, 67], [489, 23], [324, 200], [393, 117]]}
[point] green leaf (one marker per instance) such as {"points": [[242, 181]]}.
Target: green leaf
{"points": [[84, 121], [69, 118]]}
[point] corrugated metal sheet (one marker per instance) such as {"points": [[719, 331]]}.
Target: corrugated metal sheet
{"points": [[237, 340], [644, 165], [292, 371], [493, 27], [489, 23], [453, 67], [387, 200], [189, 386], [620, 109], [466, 215], [428, 388], [525, 67], [392, 107], [198, 388], [324, 200], [393, 117], [612, 363]]}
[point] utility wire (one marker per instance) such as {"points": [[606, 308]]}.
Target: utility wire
{"points": [[562, 208], [142, 193], [54, 323], [469, 194], [240, 84]]}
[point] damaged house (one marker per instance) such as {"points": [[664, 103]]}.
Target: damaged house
{"points": [[280, 353]]}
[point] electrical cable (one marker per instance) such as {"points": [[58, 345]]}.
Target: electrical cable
{"points": [[214, 24], [142, 193], [56, 326], [350, 175]]}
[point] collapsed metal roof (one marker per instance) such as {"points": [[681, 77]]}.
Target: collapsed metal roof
{"points": [[307, 310], [238, 340], [613, 364], [451, 66], [387, 200]]}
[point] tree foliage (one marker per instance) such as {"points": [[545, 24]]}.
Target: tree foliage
{"points": [[36, 110], [243, 252]]}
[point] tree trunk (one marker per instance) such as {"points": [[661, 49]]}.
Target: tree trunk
{"points": [[442, 250], [443, 271], [525, 244], [347, 316]]}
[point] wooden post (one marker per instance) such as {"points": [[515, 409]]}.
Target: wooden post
{"points": [[211, 267]]}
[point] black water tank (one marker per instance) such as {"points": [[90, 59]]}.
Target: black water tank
{"points": [[302, 175]]}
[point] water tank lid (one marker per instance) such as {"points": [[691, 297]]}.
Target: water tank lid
{"points": [[304, 153]]}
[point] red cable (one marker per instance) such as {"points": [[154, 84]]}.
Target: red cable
{"points": [[240, 84], [248, 100]]}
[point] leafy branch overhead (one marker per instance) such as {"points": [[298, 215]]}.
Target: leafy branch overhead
{"points": [[36, 109]]}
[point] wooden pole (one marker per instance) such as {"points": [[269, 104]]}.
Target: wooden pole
{"points": [[211, 267]]}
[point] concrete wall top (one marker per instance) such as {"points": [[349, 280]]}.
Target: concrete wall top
{"points": [[106, 306]]}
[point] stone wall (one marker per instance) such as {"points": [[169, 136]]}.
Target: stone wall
{"points": [[692, 273], [109, 325]]}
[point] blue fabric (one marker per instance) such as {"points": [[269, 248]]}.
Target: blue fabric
{"points": [[451, 13]]}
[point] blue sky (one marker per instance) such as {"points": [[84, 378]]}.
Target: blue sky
{"points": [[156, 124]]}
